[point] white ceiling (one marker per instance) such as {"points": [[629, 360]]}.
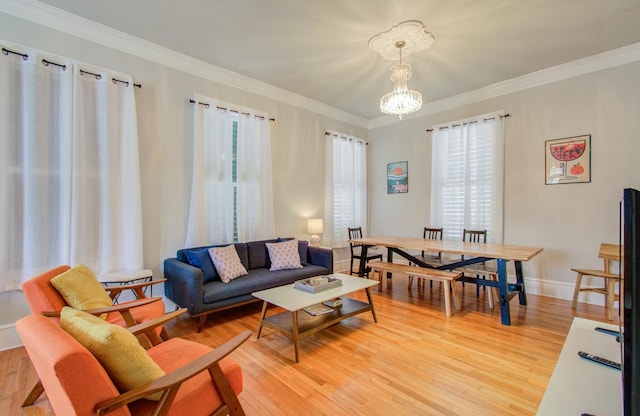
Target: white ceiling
{"points": [[318, 49]]}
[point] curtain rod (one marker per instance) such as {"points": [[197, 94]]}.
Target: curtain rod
{"points": [[7, 52], [326, 133], [46, 62], [471, 122], [207, 105], [114, 80]]}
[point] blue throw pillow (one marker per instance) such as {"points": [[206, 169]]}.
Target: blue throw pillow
{"points": [[200, 258]]}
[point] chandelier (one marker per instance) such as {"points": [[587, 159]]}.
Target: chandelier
{"points": [[401, 100], [413, 37]]}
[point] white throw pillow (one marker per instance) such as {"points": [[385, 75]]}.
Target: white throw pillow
{"points": [[227, 262], [284, 255]]}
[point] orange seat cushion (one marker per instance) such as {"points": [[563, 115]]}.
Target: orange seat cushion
{"points": [[197, 395]]}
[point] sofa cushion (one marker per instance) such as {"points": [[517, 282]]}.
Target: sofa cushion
{"points": [[80, 288], [258, 254], [118, 350], [257, 279], [284, 255], [227, 262], [200, 258]]}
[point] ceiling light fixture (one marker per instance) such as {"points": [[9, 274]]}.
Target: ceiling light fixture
{"points": [[401, 100], [412, 36]]}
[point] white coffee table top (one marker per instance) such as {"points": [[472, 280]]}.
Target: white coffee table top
{"points": [[295, 299]]}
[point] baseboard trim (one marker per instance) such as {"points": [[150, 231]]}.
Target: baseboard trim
{"points": [[9, 338]]}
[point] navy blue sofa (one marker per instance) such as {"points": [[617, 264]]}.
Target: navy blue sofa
{"points": [[193, 283]]}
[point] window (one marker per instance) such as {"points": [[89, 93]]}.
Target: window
{"points": [[467, 177], [69, 173], [231, 191], [346, 167]]}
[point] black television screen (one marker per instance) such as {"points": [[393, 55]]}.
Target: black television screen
{"points": [[631, 304]]}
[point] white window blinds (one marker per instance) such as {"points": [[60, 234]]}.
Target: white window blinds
{"points": [[467, 177]]}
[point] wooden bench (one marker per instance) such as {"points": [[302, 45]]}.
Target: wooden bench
{"points": [[448, 278]]}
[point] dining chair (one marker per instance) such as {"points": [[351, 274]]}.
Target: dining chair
{"points": [[356, 251], [429, 233], [432, 234], [481, 270], [609, 253]]}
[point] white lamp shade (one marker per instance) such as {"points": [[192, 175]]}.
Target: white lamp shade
{"points": [[315, 225]]}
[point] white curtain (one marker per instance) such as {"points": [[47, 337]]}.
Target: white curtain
{"points": [[467, 176], [69, 175], [230, 201], [346, 183], [210, 216], [255, 196]]}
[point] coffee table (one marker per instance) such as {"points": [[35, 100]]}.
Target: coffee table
{"points": [[296, 324]]}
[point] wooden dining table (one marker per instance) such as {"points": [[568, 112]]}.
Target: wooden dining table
{"points": [[470, 253]]}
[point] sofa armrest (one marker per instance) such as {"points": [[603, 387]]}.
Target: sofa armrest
{"points": [[184, 285], [320, 256]]}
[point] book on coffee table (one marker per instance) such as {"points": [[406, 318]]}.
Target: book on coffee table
{"points": [[318, 309]]}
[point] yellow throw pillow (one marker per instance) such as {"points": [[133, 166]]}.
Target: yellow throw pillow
{"points": [[80, 288], [118, 350]]}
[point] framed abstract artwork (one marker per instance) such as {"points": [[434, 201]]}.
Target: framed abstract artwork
{"points": [[567, 160], [397, 178]]}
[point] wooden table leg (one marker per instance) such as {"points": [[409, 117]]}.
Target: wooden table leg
{"points": [[264, 312], [505, 314], [296, 340], [373, 311], [522, 294]]}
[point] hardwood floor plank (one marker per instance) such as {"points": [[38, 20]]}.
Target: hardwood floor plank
{"points": [[414, 361]]}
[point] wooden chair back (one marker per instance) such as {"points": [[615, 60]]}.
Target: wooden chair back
{"points": [[474, 236], [355, 232], [432, 234], [609, 253]]}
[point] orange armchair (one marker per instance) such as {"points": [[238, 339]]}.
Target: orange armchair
{"points": [[42, 297], [198, 380]]}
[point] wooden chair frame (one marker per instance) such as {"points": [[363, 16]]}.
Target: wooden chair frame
{"points": [[356, 232], [609, 253]]}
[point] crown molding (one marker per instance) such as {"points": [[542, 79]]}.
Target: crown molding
{"points": [[594, 63], [54, 18]]}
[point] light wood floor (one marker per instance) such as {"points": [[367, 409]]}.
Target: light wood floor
{"points": [[414, 361]]}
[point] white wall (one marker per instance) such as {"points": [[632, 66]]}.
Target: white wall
{"points": [[568, 221], [164, 120]]}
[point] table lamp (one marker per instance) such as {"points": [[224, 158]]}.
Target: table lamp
{"points": [[315, 227]]}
